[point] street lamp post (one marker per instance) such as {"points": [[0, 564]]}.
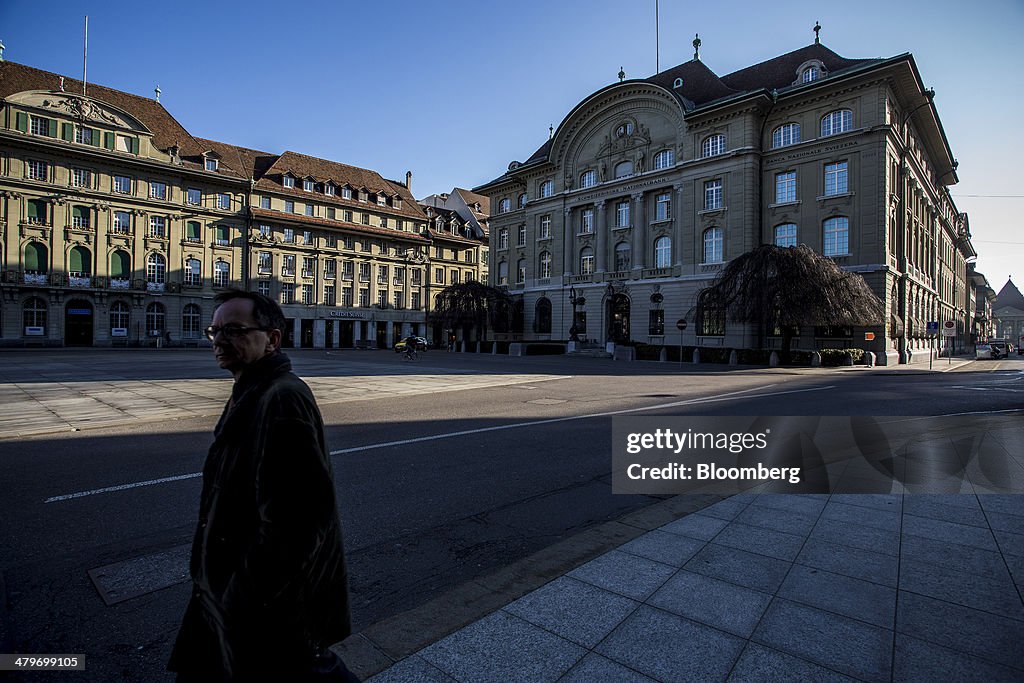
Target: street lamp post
{"points": [[575, 300]]}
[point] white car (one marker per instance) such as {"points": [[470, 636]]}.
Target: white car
{"points": [[983, 351]]}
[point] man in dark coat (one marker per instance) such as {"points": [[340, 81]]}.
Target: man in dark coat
{"points": [[270, 588]]}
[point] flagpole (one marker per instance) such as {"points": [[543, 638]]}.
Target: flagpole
{"points": [[657, 39], [85, 55]]}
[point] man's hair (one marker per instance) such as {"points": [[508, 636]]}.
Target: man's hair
{"points": [[265, 310]]}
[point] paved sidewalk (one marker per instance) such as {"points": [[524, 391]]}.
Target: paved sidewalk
{"points": [[769, 587]]}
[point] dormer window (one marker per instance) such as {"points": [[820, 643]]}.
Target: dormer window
{"points": [[346, 193], [329, 189], [307, 185], [211, 164], [811, 73], [288, 181], [382, 200], [624, 129]]}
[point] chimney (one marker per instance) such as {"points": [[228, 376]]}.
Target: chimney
{"points": [[408, 180]]}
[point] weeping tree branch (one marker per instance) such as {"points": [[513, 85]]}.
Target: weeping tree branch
{"points": [[469, 304]]}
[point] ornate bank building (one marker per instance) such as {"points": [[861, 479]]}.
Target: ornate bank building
{"points": [[649, 186]]}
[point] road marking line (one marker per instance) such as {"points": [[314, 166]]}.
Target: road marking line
{"points": [[466, 432]]}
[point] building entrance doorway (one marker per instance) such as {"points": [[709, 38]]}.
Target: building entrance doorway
{"points": [[618, 319], [306, 327], [382, 335], [328, 334], [78, 323], [347, 335]]}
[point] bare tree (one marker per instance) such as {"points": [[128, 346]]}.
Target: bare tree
{"points": [[788, 287], [470, 305]]}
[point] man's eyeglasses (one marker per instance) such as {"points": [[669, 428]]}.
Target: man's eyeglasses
{"points": [[230, 331]]}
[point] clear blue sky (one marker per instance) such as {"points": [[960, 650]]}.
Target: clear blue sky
{"points": [[453, 91]]}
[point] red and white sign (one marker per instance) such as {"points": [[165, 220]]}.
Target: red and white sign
{"points": [[949, 328]]}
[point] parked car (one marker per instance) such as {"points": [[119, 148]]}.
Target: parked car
{"points": [[420, 344], [1000, 349], [982, 351]]}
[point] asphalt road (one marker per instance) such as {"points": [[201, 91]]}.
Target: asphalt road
{"points": [[436, 486]]}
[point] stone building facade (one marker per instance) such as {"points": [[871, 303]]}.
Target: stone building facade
{"points": [[649, 186]]}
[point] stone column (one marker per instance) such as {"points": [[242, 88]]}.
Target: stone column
{"points": [[639, 231], [677, 225], [601, 228], [569, 253]]}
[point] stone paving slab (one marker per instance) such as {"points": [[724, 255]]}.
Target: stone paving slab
{"points": [[873, 592]]}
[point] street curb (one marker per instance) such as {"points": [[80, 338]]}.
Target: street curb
{"points": [[390, 640]]}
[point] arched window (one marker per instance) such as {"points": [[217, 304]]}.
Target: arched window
{"points": [[623, 169], [120, 265], [79, 262], [547, 188], [623, 254], [503, 273], [542, 316], [521, 201], [710, 318], [521, 271], [588, 178], [666, 158], [191, 316], [120, 317], [35, 315], [505, 205], [713, 245], [193, 272], [36, 258], [156, 268], [155, 319], [838, 121], [785, 235], [713, 145], [836, 236], [663, 252], [545, 265], [586, 261], [811, 73], [786, 134], [221, 272]]}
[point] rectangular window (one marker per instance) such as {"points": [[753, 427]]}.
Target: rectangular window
{"points": [[398, 300], [712, 195], [416, 301], [364, 297], [157, 190], [289, 235], [366, 219], [211, 165], [263, 287], [521, 239], [40, 126], [288, 265], [266, 261], [288, 181], [454, 277], [837, 236], [364, 272], [366, 245], [785, 187], [157, 226], [346, 297], [521, 272], [347, 270], [194, 196], [329, 190], [122, 222], [84, 136], [417, 278], [127, 144], [307, 237], [399, 275], [330, 269], [382, 274], [836, 179], [346, 216], [383, 221], [122, 184], [80, 217], [439, 276], [307, 185], [309, 209], [346, 193], [587, 221], [622, 214], [656, 325], [223, 201], [307, 295], [663, 207], [330, 213], [220, 274], [265, 203], [545, 228], [382, 200], [265, 231], [287, 293], [328, 295], [308, 266], [38, 170], [785, 235], [223, 235], [382, 297], [289, 206], [80, 177]]}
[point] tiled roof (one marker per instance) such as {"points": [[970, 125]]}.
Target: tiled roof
{"points": [[15, 78], [1009, 295], [700, 84], [781, 72], [278, 216], [322, 170], [251, 163], [541, 153], [472, 198]]}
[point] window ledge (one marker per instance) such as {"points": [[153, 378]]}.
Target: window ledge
{"points": [[841, 195], [662, 221], [621, 227], [709, 212], [584, 234], [798, 202]]}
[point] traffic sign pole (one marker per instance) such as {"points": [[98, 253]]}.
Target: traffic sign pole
{"points": [[681, 326]]}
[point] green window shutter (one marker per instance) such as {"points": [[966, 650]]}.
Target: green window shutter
{"points": [[67, 132], [120, 264], [35, 257], [21, 122], [52, 128], [37, 209], [135, 145], [193, 230], [95, 137], [108, 140], [78, 261], [79, 212]]}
